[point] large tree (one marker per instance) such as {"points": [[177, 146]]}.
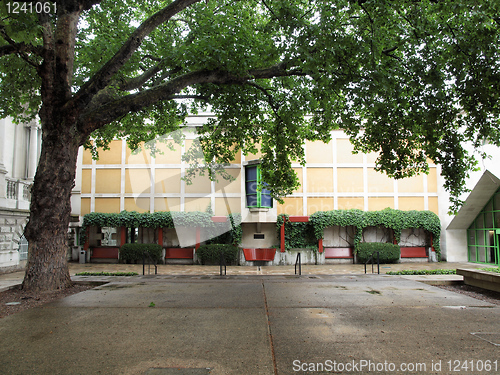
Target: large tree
{"points": [[409, 79]]}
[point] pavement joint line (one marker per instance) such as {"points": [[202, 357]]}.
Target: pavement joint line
{"points": [[275, 366], [477, 334]]}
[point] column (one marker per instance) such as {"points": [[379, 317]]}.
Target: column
{"points": [[282, 237], [198, 236], [160, 237], [3, 170], [33, 151], [123, 236], [86, 245]]}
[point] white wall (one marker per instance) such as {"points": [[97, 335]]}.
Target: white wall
{"points": [[338, 236], [268, 230], [456, 245], [454, 242]]}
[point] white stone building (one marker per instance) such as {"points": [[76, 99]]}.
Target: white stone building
{"points": [[19, 153]]}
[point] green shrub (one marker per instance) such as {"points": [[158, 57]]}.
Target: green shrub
{"points": [[489, 269], [211, 253], [388, 252], [134, 251], [107, 274]]}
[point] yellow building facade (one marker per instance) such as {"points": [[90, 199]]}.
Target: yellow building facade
{"points": [[333, 178]]}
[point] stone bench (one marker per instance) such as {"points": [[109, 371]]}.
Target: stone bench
{"points": [[104, 253], [178, 253], [413, 252], [339, 252], [266, 255], [482, 279]]}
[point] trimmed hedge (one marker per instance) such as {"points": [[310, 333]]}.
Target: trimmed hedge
{"points": [[107, 274], [211, 253], [388, 252], [134, 251], [489, 269]]}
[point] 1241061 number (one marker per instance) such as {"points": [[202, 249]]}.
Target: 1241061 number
{"points": [[473, 365], [16, 7]]}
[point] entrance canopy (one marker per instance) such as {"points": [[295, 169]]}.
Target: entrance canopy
{"points": [[487, 185]]}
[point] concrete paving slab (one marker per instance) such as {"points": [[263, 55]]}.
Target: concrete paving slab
{"points": [[164, 293], [254, 325], [405, 327], [363, 290], [80, 340], [406, 336], [8, 280]]}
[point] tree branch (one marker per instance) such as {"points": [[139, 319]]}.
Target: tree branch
{"points": [[154, 58], [106, 113], [19, 48], [8, 50], [103, 77], [64, 47], [197, 97], [138, 81], [166, 74], [87, 4], [389, 50]]}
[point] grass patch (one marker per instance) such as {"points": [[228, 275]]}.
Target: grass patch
{"points": [[107, 274], [491, 269], [423, 272]]}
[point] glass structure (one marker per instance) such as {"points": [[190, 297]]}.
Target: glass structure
{"points": [[254, 197], [483, 236]]}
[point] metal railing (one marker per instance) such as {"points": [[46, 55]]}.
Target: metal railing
{"points": [[299, 262], [151, 262], [372, 260], [222, 262]]}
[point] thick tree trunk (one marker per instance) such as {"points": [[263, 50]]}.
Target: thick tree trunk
{"points": [[47, 229]]}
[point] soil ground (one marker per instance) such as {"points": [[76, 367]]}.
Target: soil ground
{"points": [[23, 300], [489, 296]]}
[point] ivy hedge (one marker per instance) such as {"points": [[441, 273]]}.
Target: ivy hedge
{"points": [[297, 235], [135, 251], [211, 253], [396, 220], [163, 219], [388, 252]]}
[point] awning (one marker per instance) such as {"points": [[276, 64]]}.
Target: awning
{"points": [[487, 185]]}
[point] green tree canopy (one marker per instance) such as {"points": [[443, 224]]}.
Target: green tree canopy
{"points": [[410, 79]]}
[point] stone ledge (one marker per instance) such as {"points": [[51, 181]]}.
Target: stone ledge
{"points": [[482, 279]]}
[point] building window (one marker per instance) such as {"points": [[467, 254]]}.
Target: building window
{"points": [[23, 248], [254, 197]]}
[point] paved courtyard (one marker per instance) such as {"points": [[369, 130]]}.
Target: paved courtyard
{"points": [[255, 324]]}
